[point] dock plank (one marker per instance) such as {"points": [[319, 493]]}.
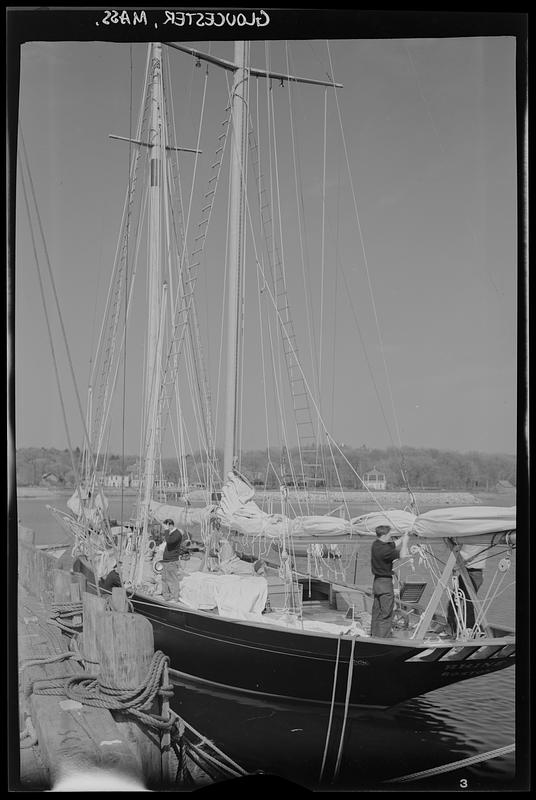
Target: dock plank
{"points": [[71, 738], [79, 739]]}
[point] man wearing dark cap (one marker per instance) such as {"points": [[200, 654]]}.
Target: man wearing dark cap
{"points": [[382, 554], [170, 560]]}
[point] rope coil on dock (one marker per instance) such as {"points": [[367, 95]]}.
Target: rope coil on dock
{"points": [[89, 690], [60, 613]]}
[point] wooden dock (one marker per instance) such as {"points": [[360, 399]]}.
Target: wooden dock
{"points": [[82, 732], [67, 736]]}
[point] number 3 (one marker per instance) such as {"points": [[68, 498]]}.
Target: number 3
{"points": [[463, 783]]}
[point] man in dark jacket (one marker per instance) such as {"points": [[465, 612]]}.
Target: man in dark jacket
{"points": [[170, 560], [382, 554], [112, 579]]}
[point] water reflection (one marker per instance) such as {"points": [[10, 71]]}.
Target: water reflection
{"points": [[290, 739]]}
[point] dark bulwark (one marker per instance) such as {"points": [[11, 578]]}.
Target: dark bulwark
{"points": [[279, 663]]}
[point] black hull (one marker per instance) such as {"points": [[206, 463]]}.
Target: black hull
{"points": [[277, 663]]}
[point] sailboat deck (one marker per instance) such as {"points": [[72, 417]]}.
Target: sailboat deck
{"points": [[323, 612]]}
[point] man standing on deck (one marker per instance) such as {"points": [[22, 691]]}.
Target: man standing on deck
{"points": [[170, 560], [382, 554]]}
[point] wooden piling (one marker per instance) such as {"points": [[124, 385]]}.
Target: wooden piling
{"points": [[119, 600], [125, 645], [61, 581], [71, 738], [36, 567], [117, 646], [93, 608], [27, 536]]}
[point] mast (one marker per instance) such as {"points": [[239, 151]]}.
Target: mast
{"points": [[236, 248], [236, 252], [154, 340]]}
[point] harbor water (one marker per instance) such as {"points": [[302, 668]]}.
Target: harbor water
{"points": [[461, 721]]}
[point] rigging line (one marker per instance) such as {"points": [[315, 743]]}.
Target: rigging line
{"points": [[304, 255], [323, 249], [184, 261], [183, 258], [304, 378], [487, 601], [365, 259], [60, 318], [335, 292], [49, 330], [306, 384], [316, 368], [110, 389], [106, 356], [269, 126], [223, 318], [455, 765], [195, 398], [126, 209], [194, 175], [243, 246], [424, 102], [365, 353], [126, 302], [346, 704], [261, 289], [266, 419], [198, 360], [107, 401], [284, 327]]}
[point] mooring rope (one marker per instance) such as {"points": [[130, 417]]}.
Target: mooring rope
{"points": [[33, 662], [331, 709], [28, 736], [346, 705], [89, 690], [182, 725], [464, 762], [60, 611]]}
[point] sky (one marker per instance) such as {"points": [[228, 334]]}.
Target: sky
{"points": [[417, 242]]}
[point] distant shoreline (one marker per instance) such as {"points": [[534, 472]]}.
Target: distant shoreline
{"points": [[395, 498]]}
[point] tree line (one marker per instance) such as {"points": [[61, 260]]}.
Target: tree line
{"points": [[417, 468]]}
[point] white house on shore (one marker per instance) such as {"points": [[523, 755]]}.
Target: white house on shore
{"points": [[117, 481], [375, 480]]}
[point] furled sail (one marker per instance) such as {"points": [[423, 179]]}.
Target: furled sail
{"points": [[441, 522], [238, 511], [465, 521], [90, 506], [399, 521], [181, 515]]}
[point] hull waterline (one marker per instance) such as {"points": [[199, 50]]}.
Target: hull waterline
{"points": [[280, 663]]}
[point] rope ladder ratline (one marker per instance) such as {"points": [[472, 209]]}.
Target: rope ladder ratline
{"points": [[293, 350]]}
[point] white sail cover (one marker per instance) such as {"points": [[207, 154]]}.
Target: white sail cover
{"points": [[181, 515], [400, 521], [464, 521], [238, 511], [90, 506], [441, 522]]}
